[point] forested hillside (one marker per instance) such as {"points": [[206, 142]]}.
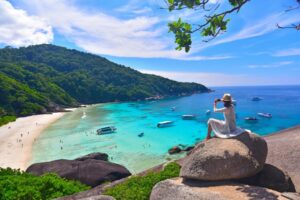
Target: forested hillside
{"points": [[44, 78]]}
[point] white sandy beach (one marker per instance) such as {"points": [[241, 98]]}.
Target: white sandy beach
{"points": [[17, 139]]}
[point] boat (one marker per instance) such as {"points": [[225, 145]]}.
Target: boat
{"points": [[234, 102], [83, 115], [251, 119], [208, 112], [267, 115], [164, 124], [141, 134], [257, 98], [106, 130], [188, 117], [173, 108]]}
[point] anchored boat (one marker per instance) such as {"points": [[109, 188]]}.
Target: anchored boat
{"points": [[164, 124], [106, 130], [251, 119], [208, 112], [267, 115], [234, 102], [257, 98], [188, 117]]}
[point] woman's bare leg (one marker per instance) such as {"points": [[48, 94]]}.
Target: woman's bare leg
{"points": [[209, 129]]}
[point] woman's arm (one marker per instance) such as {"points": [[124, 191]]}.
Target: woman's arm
{"points": [[218, 109]]}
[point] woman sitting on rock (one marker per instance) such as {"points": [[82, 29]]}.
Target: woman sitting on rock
{"points": [[227, 128]]}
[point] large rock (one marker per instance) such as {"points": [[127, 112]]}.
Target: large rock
{"points": [[98, 197], [174, 150], [284, 152], [271, 177], [223, 159], [95, 156], [177, 189], [90, 172]]}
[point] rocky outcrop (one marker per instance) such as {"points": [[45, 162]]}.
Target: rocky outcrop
{"points": [[284, 153], [180, 148], [90, 172], [271, 177], [177, 189], [291, 195], [95, 156], [174, 150], [224, 159], [98, 197]]}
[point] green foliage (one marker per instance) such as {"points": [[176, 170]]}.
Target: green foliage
{"points": [[182, 33], [6, 119], [140, 187], [211, 25], [40, 78], [217, 24], [17, 185]]}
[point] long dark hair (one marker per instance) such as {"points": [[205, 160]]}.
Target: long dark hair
{"points": [[227, 104]]}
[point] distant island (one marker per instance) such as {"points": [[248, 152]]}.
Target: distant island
{"points": [[47, 78]]}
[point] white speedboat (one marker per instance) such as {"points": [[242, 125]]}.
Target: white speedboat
{"points": [[267, 115], [83, 115], [164, 124], [188, 117], [234, 102], [208, 112], [106, 130]]}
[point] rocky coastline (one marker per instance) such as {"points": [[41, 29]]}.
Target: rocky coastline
{"points": [[244, 167]]}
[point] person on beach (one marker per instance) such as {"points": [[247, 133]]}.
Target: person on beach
{"points": [[221, 128]]}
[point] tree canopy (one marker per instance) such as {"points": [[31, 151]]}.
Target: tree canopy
{"points": [[214, 22]]}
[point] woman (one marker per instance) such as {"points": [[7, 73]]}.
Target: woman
{"points": [[227, 128]]}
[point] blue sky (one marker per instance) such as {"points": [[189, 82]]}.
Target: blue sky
{"points": [[135, 33]]}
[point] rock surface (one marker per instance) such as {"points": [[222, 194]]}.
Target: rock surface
{"points": [[90, 172], [174, 150], [271, 177], [176, 189], [291, 195], [223, 159], [98, 197], [95, 156], [284, 152]]}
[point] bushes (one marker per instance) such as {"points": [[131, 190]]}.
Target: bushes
{"points": [[7, 119], [139, 188], [17, 185]]}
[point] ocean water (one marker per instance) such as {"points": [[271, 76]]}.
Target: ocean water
{"points": [[75, 135]]}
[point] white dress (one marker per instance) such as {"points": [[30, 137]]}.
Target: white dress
{"points": [[227, 128]]}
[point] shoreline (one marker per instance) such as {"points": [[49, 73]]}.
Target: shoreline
{"points": [[15, 155], [17, 138]]}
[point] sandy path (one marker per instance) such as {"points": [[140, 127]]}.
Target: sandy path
{"points": [[17, 138]]}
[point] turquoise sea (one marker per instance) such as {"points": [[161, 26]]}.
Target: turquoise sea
{"points": [[75, 135]]}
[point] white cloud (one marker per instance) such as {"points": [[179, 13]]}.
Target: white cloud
{"points": [[287, 52], [142, 10], [252, 29], [272, 65], [100, 33], [133, 7], [216, 1], [17, 28], [222, 79], [209, 79]]}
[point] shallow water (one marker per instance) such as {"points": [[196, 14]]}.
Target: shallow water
{"points": [[75, 135]]}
